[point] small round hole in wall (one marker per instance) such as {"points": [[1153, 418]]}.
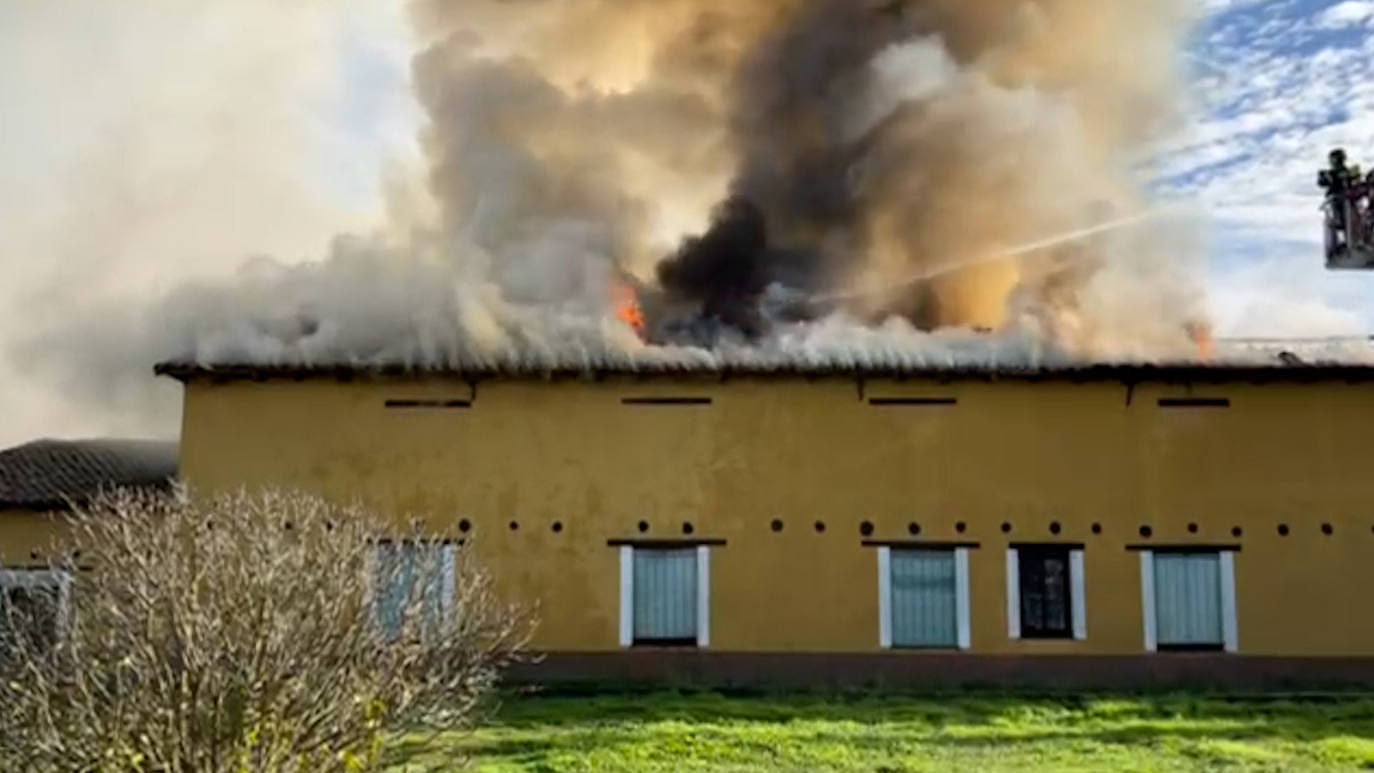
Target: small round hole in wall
{"points": [[776, 525], [961, 527], [1097, 528], [643, 526], [1283, 530], [913, 528], [557, 526], [1236, 531], [1327, 529], [1146, 532], [465, 526], [866, 529], [687, 528], [33, 554], [515, 526], [1055, 528], [287, 526], [1192, 528], [820, 527], [76, 554], [1006, 528]]}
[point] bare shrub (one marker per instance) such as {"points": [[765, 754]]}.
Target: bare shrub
{"points": [[245, 632]]}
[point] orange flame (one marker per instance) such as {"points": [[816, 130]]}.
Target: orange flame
{"points": [[1201, 333], [627, 307]]}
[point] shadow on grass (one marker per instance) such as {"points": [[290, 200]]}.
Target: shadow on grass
{"points": [[535, 710], [587, 742], [531, 728]]}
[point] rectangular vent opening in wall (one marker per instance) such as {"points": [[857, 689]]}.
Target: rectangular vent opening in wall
{"points": [[665, 401], [1194, 402], [913, 401], [428, 404]]}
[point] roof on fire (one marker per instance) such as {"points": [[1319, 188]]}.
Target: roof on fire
{"points": [[54, 474]]}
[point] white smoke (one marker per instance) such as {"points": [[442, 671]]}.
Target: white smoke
{"points": [[152, 142]]}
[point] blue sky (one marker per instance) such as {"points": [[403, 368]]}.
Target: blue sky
{"points": [[1275, 84]]}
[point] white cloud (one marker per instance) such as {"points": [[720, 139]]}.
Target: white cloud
{"points": [[1347, 14], [1283, 82]]}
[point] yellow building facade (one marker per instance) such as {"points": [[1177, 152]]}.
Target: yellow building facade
{"points": [[806, 493], [27, 537]]}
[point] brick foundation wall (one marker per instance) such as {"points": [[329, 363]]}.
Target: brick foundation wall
{"points": [[916, 671]]}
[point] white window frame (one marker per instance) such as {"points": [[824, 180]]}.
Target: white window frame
{"points": [[449, 557], [961, 597], [627, 596], [1078, 601], [1230, 629], [44, 578]]}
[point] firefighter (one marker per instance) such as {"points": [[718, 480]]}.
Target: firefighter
{"points": [[1339, 178], [1339, 182], [1367, 209]]}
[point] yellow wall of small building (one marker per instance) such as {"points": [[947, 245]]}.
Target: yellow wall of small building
{"points": [[28, 538], [535, 452]]}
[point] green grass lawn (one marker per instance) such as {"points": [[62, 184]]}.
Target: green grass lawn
{"points": [[708, 732]]}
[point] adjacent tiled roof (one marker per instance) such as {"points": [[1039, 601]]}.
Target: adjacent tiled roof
{"points": [[48, 474]]}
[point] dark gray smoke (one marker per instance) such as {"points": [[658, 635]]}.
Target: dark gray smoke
{"points": [[881, 138], [727, 268], [792, 99]]}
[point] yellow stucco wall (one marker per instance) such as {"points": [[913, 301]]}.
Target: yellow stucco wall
{"points": [[27, 538], [535, 452]]}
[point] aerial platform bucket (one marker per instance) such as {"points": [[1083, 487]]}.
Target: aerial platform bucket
{"points": [[1348, 246]]}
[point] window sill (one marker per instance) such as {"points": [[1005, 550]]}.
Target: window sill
{"points": [[664, 644], [1186, 648]]}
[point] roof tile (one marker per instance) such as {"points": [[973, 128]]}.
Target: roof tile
{"points": [[47, 474]]}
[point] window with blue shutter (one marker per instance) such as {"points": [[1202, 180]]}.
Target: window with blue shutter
{"points": [[413, 578], [1188, 600], [925, 599], [665, 597]]}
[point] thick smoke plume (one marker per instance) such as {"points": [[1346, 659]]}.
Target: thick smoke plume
{"points": [[784, 182], [862, 161], [886, 142], [867, 163]]}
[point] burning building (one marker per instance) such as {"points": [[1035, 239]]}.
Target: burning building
{"points": [[1056, 526], [802, 337]]}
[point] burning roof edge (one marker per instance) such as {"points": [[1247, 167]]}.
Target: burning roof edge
{"points": [[1175, 372]]}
